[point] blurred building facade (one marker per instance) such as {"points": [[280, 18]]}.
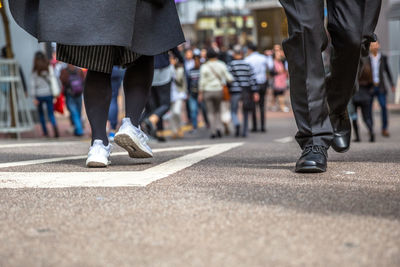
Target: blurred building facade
{"points": [[24, 45], [233, 21]]}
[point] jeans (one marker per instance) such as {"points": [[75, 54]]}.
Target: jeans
{"points": [[74, 105], [116, 80], [48, 101], [194, 109], [382, 102], [235, 99]]}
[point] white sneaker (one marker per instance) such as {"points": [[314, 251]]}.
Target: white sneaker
{"points": [[133, 140], [99, 155]]}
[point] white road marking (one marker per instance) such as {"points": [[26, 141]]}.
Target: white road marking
{"points": [[40, 144], [284, 140], [50, 160], [112, 179]]}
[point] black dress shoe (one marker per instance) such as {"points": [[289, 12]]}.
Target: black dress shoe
{"points": [[149, 128], [237, 130], [161, 139], [341, 131], [371, 137], [312, 160]]}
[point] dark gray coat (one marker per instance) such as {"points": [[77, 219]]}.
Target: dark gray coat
{"points": [[146, 27]]}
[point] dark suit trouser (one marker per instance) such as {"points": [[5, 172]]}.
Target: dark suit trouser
{"points": [[261, 103], [313, 97]]}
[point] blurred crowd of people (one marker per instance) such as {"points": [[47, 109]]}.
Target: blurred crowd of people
{"points": [[213, 84], [220, 89], [223, 89]]}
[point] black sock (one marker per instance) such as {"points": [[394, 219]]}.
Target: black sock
{"points": [[137, 84], [97, 98]]}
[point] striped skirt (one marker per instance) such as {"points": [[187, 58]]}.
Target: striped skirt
{"points": [[100, 58]]}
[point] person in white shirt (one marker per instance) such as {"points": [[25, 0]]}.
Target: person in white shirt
{"points": [[260, 64], [214, 75], [178, 96]]}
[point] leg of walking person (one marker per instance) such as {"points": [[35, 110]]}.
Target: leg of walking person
{"points": [[307, 39], [217, 103], [245, 122], [176, 112], [254, 118], [164, 93], [193, 107], [262, 101], [73, 107], [113, 112], [204, 112], [50, 115], [235, 98], [41, 116], [97, 98], [384, 114], [345, 25], [213, 112], [78, 104], [367, 118], [352, 109], [137, 84]]}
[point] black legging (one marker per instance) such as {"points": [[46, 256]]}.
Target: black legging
{"points": [[364, 102], [97, 95]]}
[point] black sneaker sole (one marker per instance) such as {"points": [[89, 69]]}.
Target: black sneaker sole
{"points": [[310, 169]]}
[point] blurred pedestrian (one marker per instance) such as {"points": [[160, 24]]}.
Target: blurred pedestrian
{"points": [[260, 64], [160, 95], [127, 34], [382, 82], [243, 89], [279, 82], [42, 92], [362, 99], [203, 56], [72, 79], [117, 76], [193, 91], [320, 103], [189, 61], [214, 75], [178, 96]]}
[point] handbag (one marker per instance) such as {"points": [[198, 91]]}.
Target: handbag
{"points": [[59, 104], [54, 85], [226, 96]]}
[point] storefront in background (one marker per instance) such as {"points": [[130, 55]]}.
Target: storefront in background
{"points": [[270, 23], [226, 28]]}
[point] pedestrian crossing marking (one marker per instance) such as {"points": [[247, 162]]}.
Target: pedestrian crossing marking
{"points": [[114, 179], [51, 160]]}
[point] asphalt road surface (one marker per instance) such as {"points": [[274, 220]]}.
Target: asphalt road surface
{"points": [[231, 202]]}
